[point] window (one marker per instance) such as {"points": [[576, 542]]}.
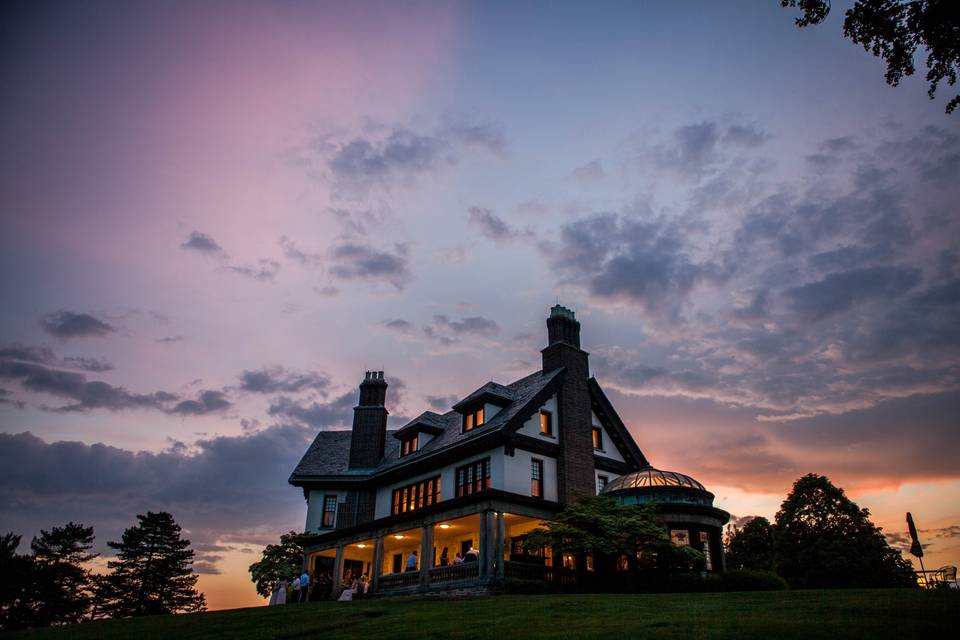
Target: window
{"points": [[473, 419], [597, 439], [536, 478], [680, 537], [546, 423], [416, 496], [329, 512], [473, 477], [409, 445], [601, 484], [705, 543]]}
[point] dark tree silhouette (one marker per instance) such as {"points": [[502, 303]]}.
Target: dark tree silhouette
{"points": [[62, 586], [16, 602], [823, 539], [279, 562], [152, 572], [751, 547], [894, 30]]}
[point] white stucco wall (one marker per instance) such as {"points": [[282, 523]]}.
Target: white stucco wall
{"points": [[315, 508], [448, 481], [532, 426], [609, 449], [517, 474]]}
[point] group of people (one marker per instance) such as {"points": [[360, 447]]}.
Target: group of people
{"points": [[301, 589], [472, 555]]}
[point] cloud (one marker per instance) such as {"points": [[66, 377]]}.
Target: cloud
{"points": [[402, 154], [355, 261], [203, 243], [333, 414], [169, 339], [265, 269], [695, 150], [473, 325], [399, 325], [589, 173], [208, 401], [218, 489], [75, 386], [627, 258], [277, 379], [840, 291], [483, 135], [491, 225], [67, 324], [45, 356], [441, 403]]}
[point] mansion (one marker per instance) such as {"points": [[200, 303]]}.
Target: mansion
{"points": [[400, 506]]}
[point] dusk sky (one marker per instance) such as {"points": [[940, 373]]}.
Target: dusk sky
{"points": [[217, 215]]}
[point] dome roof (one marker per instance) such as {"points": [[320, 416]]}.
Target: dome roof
{"points": [[653, 478]]}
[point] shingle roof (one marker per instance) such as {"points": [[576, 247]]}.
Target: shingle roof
{"points": [[492, 390], [330, 452]]}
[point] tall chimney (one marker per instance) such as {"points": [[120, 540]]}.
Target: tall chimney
{"points": [[575, 472], [369, 423]]}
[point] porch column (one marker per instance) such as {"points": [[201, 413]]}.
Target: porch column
{"points": [[426, 552], [486, 543], [337, 570], [498, 547], [376, 565]]}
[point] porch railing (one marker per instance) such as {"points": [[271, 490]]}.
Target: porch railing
{"points": [[453, 572], [397, 580]]}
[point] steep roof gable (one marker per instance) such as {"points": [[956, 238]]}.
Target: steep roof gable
{"points": [[618, 431]]}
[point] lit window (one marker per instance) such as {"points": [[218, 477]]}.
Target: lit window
{"points": [[473, 478], [680, 537], [409, 445], [416, 496], [601, 484], [329, 511], [473, 419], [546, 423], [536, 478], [597, 439]]}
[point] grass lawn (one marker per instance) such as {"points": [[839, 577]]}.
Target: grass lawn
{"points": [[777, 615]]}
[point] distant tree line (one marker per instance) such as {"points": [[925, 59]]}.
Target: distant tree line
{"points": [[819, 539], [54, 585]]}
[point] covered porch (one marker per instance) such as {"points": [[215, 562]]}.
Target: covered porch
{"points": [[450, 547]]}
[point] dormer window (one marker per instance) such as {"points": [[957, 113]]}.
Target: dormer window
{"points": [[473, 419], [597, 439], [409, 445]]}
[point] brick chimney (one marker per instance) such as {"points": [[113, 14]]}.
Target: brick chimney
{"points": [[369, 423], [575, 471]]}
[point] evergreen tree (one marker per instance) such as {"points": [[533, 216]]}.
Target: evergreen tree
{"points": [[16, 603], [152, 572], [279, 562], [61, 582], [823, 539], [751, 547]]}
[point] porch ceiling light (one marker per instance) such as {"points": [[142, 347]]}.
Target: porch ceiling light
{"points": [[444, 526], [361, 545], [398, 536]]}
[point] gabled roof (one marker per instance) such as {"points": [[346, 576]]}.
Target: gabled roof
{"points": [[428, 421], [527, 395], [490, 392], [618, 431]]}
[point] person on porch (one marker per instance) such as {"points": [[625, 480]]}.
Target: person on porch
{"points": [[412, 561], [444, 560]]}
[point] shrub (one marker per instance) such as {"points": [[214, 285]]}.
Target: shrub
{"points": [[752, 580]]}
